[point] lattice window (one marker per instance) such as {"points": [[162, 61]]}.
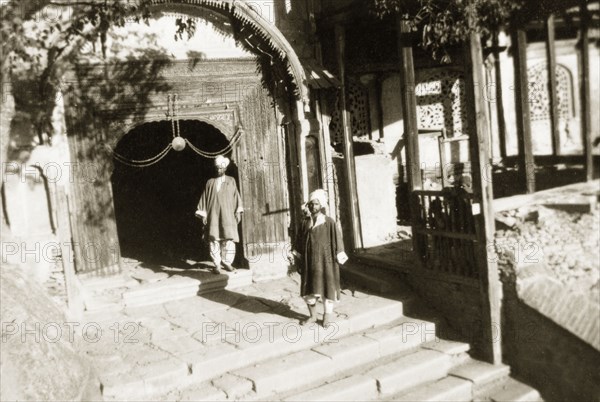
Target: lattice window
{"points": [[539, 94], [441, 102], [564, 92], [357, 102]]}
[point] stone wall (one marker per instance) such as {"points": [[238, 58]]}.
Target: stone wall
{"points": [[41, 364], [457, 300], [560, 365], [549, 265]]}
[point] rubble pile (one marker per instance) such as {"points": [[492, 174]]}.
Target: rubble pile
{"points": [[567, 243]]}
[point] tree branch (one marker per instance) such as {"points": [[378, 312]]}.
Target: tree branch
{"points": [[72, 3]]}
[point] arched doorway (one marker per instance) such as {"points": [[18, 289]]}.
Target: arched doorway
{"points": [[267, 103], [155, 205]]}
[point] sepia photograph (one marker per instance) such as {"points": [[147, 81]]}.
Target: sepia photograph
{"points": [[300, 200]]}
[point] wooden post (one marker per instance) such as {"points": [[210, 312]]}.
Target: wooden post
{"points": [[328, 172], [483, 194], [586, 127], [526, 164], [409, 113], [379, 102], [302, 130], [409, 107], [74, 298], [499, 98], [551, 67], [349, 165]]}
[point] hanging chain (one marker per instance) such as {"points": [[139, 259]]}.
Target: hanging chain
{"points": [[236, 138], [176, 116], [143, 162], [176, 131], [170, 114]]}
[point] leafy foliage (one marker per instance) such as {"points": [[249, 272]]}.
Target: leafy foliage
{"points": [[447, 23], [38, 47]]}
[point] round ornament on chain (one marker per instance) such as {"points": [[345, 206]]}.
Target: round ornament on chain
{"points": [[178, 143]]}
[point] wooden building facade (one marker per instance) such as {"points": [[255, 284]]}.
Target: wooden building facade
{"points": [[286, 122], [121, 119]]}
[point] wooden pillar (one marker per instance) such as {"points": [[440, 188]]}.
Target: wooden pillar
{"points": [[525, 161], [584, 91], [409, 113], [328, 171], [294, 175], [499, 98], [302, 130], [551, 67], [74, 298], [349, 165], [409, 107], [379, 82], [483, 194]]}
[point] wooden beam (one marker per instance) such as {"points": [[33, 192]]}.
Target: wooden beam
{"points": [[328, 171], [380, 118], [499, 98], [409, 113], [551, 67], [349, 165], [526, 164], [74, 297], [489, 283], [584, 91], [409, 107], [302, 130]]}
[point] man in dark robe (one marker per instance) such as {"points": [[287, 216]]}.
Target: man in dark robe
{"points": [[220, 209], [319, 249]]}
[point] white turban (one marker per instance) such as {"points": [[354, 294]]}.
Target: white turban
{"points": [[221, 161], [319, 195]]}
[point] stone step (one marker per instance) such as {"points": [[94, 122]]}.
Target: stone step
{"points": [[278, 376], [110, 302], [465, 379], [513, 391], [223, 353], [353, 388], [180, 287], [177, 287], [400, 260], [101, 284], [409, 371], [482, 375], [381, 378], [451, 389], [373, 278]]}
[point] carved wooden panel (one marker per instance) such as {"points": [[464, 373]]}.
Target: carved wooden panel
{"points": [[441, 101]]}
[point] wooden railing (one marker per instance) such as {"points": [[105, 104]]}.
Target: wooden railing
{"points": [[445, 231]]}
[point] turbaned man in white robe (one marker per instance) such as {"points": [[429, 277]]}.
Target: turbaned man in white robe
{"points": [[220, 209]]}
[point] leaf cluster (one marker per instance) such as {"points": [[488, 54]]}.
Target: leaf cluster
{"points": [[444, 24]]}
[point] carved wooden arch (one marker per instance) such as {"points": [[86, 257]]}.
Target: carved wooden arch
{"points": [[244, 13], [127, 127], [228, 126]]}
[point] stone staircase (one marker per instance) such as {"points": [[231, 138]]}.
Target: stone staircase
{"points": [[144, 287], [246, 345]]}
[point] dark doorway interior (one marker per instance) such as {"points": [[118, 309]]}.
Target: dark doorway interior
{"points": [[155, 205]]}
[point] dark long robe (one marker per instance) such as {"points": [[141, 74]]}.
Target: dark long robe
{"points": [[220, 208], [319, 270]]}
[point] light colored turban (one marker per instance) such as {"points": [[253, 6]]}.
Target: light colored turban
{"points": [[222, 161], [319, 195]]}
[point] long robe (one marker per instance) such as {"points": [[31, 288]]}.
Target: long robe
{"points": [[220, 208], [319, 246]]}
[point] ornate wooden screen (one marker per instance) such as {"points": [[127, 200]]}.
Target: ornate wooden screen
{"points": [[444, 228]]}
